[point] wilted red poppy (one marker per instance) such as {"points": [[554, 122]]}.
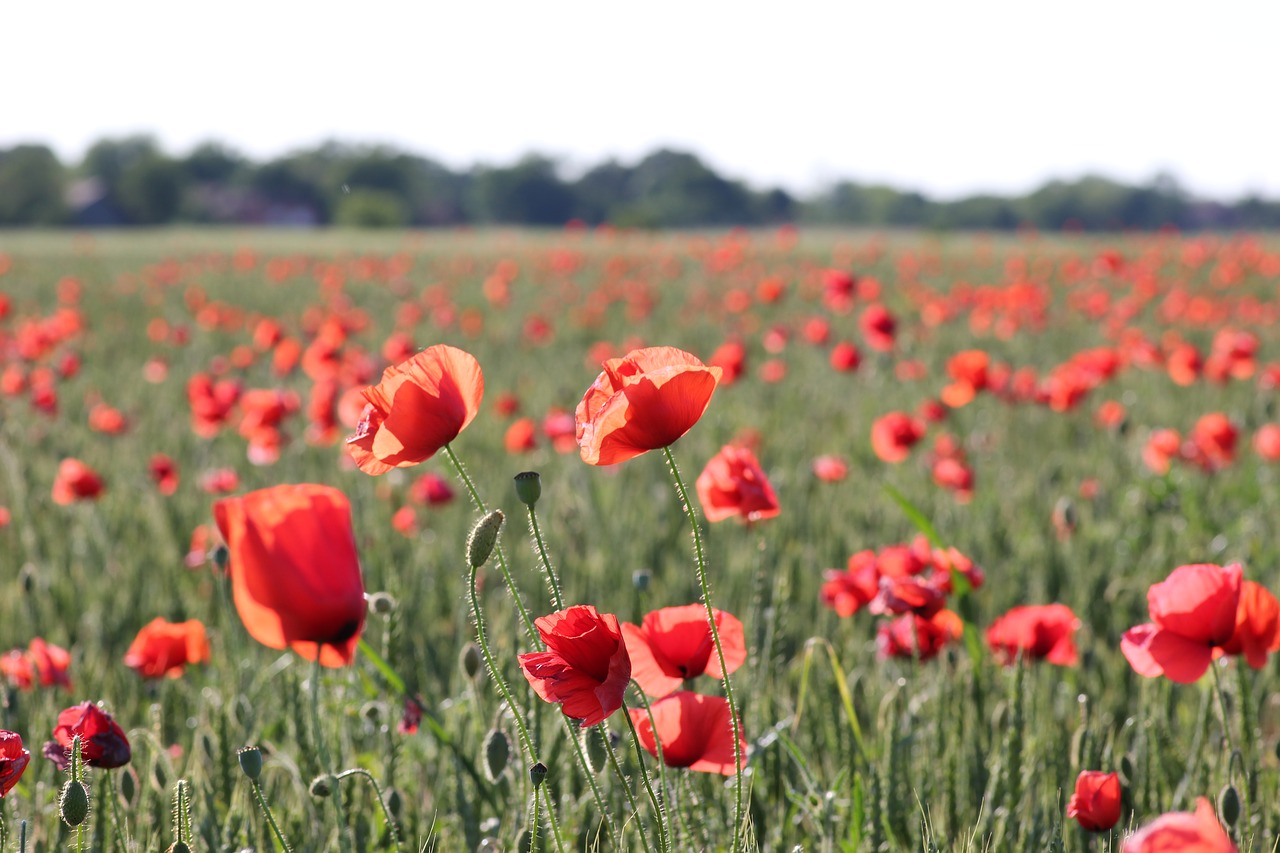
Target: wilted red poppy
{"points": [[419, 406], [76, 481], [1184, 832], [1096, 802], [674, 644], [585, 669], [734, 484], [643, 401], [1038, 631], [1192, 612], [102, 741], [894, 434], [295, 576], [1257, 630], [164, 648], [695, 732], [13, 760]]}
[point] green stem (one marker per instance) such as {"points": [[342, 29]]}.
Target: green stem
{"points": [[377, 790], [502, 558], [1222, 706], [490, 664], [626, 788], [552, 581], [271, 819], [683, 494], [340, 811], [659, 812]]}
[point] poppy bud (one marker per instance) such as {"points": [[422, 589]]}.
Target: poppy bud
{"points": [[470, 660], [537, 773], [382, 603], [28, 575], [128, 786], [220, 557], [640, 579], [250, 761], [321, 786], [395, 803], [1229, 805], [1127, 773], [484, 536], [528, 487], [73, 803], [497, 752]]}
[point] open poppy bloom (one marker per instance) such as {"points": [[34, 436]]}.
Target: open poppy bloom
{"points": [[76, 481], [643, 401], [1257, 632], [1039, 632], [13, 760], [102, 741], [585, 669], [734, 484], [1193, 611], [1185, 832], [295, 577], [165, 648], [419, 406], [913, 636], [42, 663], [674, 644], [1096, 802], [894, 434], [695, 732]]}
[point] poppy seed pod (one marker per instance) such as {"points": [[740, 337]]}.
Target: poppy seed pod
{"points": [[250, 759], [497, 752], [537, 774], [528, 487], [483, 538], [322, 786]]}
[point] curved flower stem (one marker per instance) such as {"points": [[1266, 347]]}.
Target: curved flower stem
{"points": [[271, 819], [664, 838], [683, 495], [502, 557], [483, 639], [377, 790], [626, 788], [553, 582], [323, 749]]}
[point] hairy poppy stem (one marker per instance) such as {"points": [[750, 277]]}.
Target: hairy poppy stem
{"points": [[339, 811], [700, 556], [1226, 729], [392, 830], [266, 812], [664, 835], [553, 582], [626, 789]]}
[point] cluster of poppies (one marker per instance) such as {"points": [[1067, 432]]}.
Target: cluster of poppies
{"points": [[103, 744]]}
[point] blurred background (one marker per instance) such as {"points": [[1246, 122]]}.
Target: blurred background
{"points": [[988, 115]]}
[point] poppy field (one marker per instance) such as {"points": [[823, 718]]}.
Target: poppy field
{"points": [[600, 540]]}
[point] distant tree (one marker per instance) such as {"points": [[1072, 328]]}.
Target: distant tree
{"points": [[676, 189], [530, 192], [603, 191], [362, 208], [213, 163], [31, 187], [149, 189]]}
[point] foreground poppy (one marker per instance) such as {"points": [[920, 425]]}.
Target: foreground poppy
{"points": [[1192, 611], [1184, 832], [733, 483], [1039, 632], [295, 577], [1257, 632], [695, 732], [419, 406], [164, 648], [585, 669], [1096, 802], [13, 760], [102, 741], [674, 644], [643, 401]]}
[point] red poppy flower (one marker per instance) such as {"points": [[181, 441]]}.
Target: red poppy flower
{"points": [[878, 327], [1184, 832], [521, 436], [1096, 802], [76, 481], [405, 520], [731, 358], [295, 577], [911, 636], [695, 732], [897, 595], [164, 648], [50, 662], [585, 669], [643, 401], [1038, 631], [1192, 611], [830, 469], [734, 484], [164, 473], [1162, 447], [674, 644], [1214, 439], [102, 741], [1257, 630], [894, 434], [845, 357], [431, 489], [419, 406], [1266, 442], [13, 760]]}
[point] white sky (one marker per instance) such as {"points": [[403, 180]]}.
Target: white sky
{"points": [[949, 97]]}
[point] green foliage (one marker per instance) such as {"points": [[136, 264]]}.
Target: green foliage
{"points": [[31, 187], [363, 208]]}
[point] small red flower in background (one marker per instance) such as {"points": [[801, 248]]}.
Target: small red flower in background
{"points": [[695, 731], [5, 517], [1183, 832], [1192, 611], [164, 473], [731, 358], [1096, 802], [107, 420], [219, 481], [893, 435], [419, 406], [732, 484], [878, 327], [1038, 631], [968, 371], [643, 401], [405, 520], [102, 741], [845, 357], [1266, 442], [76, 481], [1162, 447], [674, 644], [830, 469], [164, 648], [1213, 442], [295, 576], [913, 636], [42, 663], [585, 669], [521, 436], [431, 489], [13, 760]]}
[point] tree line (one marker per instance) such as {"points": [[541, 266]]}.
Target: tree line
{"points": [[130, 181]]}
